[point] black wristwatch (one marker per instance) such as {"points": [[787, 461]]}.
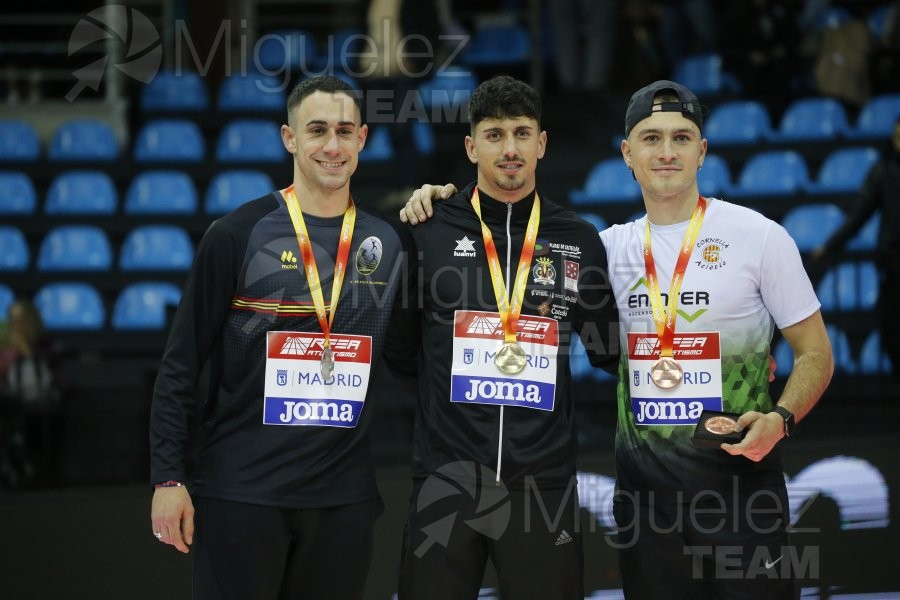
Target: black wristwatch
{"points": [[788, 417]]}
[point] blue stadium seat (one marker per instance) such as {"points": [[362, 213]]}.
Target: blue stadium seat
{"points": [[161, 192], [342, 50], [230, 189], [495, 45], [703, 74], [772, 173], [840, 349], [251, 140], [14, 253], [423, 137], [878, 19], [82, 193], [378, 145], [156, 248], [849, 286], [739, 122], [784, 359], [70, 306], [84, 139], [596, 220], [7, 297], [608, 181], [143, 305], [831, 17], [714, 179], [843, 171], [449, 89], [18, 141], [867, 237], [75, 248], [873, 360], [169, 140], [580, 365], [812, 224], [812, 120], [877, 118], [287, 48], [17, 195], [169, 91], [252, 93]]}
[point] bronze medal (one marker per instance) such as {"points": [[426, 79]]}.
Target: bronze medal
{"points": [[511, 359], [666, 373], [720, 425]]}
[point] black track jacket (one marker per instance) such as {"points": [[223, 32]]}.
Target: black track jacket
{"points": [[520, 443]]}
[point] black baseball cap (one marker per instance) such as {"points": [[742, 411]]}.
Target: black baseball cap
{"points": [[641, 104]]}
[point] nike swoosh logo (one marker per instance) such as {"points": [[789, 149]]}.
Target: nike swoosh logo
{"points": [[769, 565]]}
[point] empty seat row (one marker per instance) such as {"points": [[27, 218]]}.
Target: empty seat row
{"points": [[162, 140], [770, 173], [87, 248], [804, 120], [871, 359], [810, 225], [78, 306], [154, 192], [178, 141]]}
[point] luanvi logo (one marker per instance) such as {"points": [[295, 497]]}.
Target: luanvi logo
{"points": [[288, 260], [139, 59]]}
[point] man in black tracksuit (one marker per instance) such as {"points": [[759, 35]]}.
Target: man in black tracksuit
{"points": [[282, 493], [494, 449]]}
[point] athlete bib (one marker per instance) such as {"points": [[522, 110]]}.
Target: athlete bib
{"points": [[296, 393], [701, 386], [478, 336]]}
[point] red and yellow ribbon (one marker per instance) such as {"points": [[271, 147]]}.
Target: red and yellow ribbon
{"points": [[326, 317], [665, 325], [510, 307]]}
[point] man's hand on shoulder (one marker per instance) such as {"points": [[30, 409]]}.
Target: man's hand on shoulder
{"points": [[418, 208]]}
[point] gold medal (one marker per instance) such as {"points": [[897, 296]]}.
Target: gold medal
{"points": [[327, 364], [720, 425], [511, 359], [666, 373]]}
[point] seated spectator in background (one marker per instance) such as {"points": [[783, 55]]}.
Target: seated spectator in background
{"points": [[880, 191], [886, 53], [763, 50], [29, 391]]}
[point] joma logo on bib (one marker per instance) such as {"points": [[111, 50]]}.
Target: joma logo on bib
{"points": [[503, 390], [675, 411], [316, 411], [324, 413]]}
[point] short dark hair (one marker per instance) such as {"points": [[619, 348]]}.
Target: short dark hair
{"points": [[504, 97], [322, 83]]}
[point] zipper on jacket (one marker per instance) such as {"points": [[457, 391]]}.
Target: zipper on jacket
{"points": [[509, 284]]}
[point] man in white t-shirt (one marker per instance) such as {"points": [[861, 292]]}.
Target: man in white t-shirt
{"points": [[700, 520]]}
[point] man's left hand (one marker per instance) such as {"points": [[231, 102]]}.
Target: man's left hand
{"points": [[763, 432]]}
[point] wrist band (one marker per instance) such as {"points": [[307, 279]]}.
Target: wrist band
{"points": [[168, 484]]}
